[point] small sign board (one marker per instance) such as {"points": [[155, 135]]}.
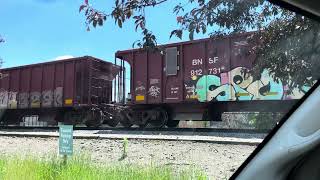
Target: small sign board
{"points": [[66, 140]]}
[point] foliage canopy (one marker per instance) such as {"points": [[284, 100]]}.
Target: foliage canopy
{"points": [[286, 43]]}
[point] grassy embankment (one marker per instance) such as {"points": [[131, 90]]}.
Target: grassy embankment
{"points": [[31, 168]]}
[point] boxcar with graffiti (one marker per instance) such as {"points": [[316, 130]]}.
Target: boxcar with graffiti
{"points": [[199, 80], [77, 90]]}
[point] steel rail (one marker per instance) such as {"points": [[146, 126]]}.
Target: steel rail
{"points": [[150, 129]]}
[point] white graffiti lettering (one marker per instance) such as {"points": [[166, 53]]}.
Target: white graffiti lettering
{"points": [[154, 91], [3, 99], [140, 88]]}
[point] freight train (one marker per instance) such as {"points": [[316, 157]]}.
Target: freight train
{"points": [[193, 80]]}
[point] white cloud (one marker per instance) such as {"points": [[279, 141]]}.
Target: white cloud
{"points": [[64, 57]]}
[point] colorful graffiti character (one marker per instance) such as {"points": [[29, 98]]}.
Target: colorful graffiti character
{"points": [[238, 84]]}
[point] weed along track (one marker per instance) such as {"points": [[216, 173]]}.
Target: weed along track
{"points": [[214, 160], [204, 153]]}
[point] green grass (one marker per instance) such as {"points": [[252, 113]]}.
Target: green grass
{"points": [[81, 168]]}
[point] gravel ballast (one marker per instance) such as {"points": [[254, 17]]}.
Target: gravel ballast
{"points": [[218, 161]]}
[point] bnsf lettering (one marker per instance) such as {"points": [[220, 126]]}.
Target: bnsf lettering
{"points": [[196, 62], [213, 60]]}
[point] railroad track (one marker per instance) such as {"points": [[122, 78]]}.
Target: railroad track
{"points": [[138, 129], [211, 135]]}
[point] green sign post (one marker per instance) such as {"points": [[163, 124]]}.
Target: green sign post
{"points": [[66, 140]]}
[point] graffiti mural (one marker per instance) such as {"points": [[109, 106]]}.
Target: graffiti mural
{"points": [[154, 90], [58, 93], [3, 99], [23, 101], [12, 100], [47, 98], [296, 93], [238, 85], [35, 99]]}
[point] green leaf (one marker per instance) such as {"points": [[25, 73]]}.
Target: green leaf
{"points": [[119, 23], [82, 7], [204, 29], [191, 33], [129, 13], [177, 32], [100, 22]]}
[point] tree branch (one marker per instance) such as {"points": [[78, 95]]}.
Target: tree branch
{"points": [[152, 4]]}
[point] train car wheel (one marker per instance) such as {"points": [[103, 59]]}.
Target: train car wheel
{"points": [[126, 124], [161, 118], [113, 122], [93, 119], [124, 120], [143, 125], [145, 118], [172, 123]]}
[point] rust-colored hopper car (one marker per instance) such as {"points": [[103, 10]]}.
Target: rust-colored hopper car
{"points": [[66, 90]]}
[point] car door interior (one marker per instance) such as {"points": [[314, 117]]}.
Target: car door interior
{"points": [[295, 138], [308, 167]]}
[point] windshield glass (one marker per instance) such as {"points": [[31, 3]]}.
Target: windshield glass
{"points": [[177, 89]]}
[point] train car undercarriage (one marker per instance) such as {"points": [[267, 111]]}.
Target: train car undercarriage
{"points": [[135, 115]]}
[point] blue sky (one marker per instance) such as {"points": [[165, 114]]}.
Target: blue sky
{"points": [[41, 30]]}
